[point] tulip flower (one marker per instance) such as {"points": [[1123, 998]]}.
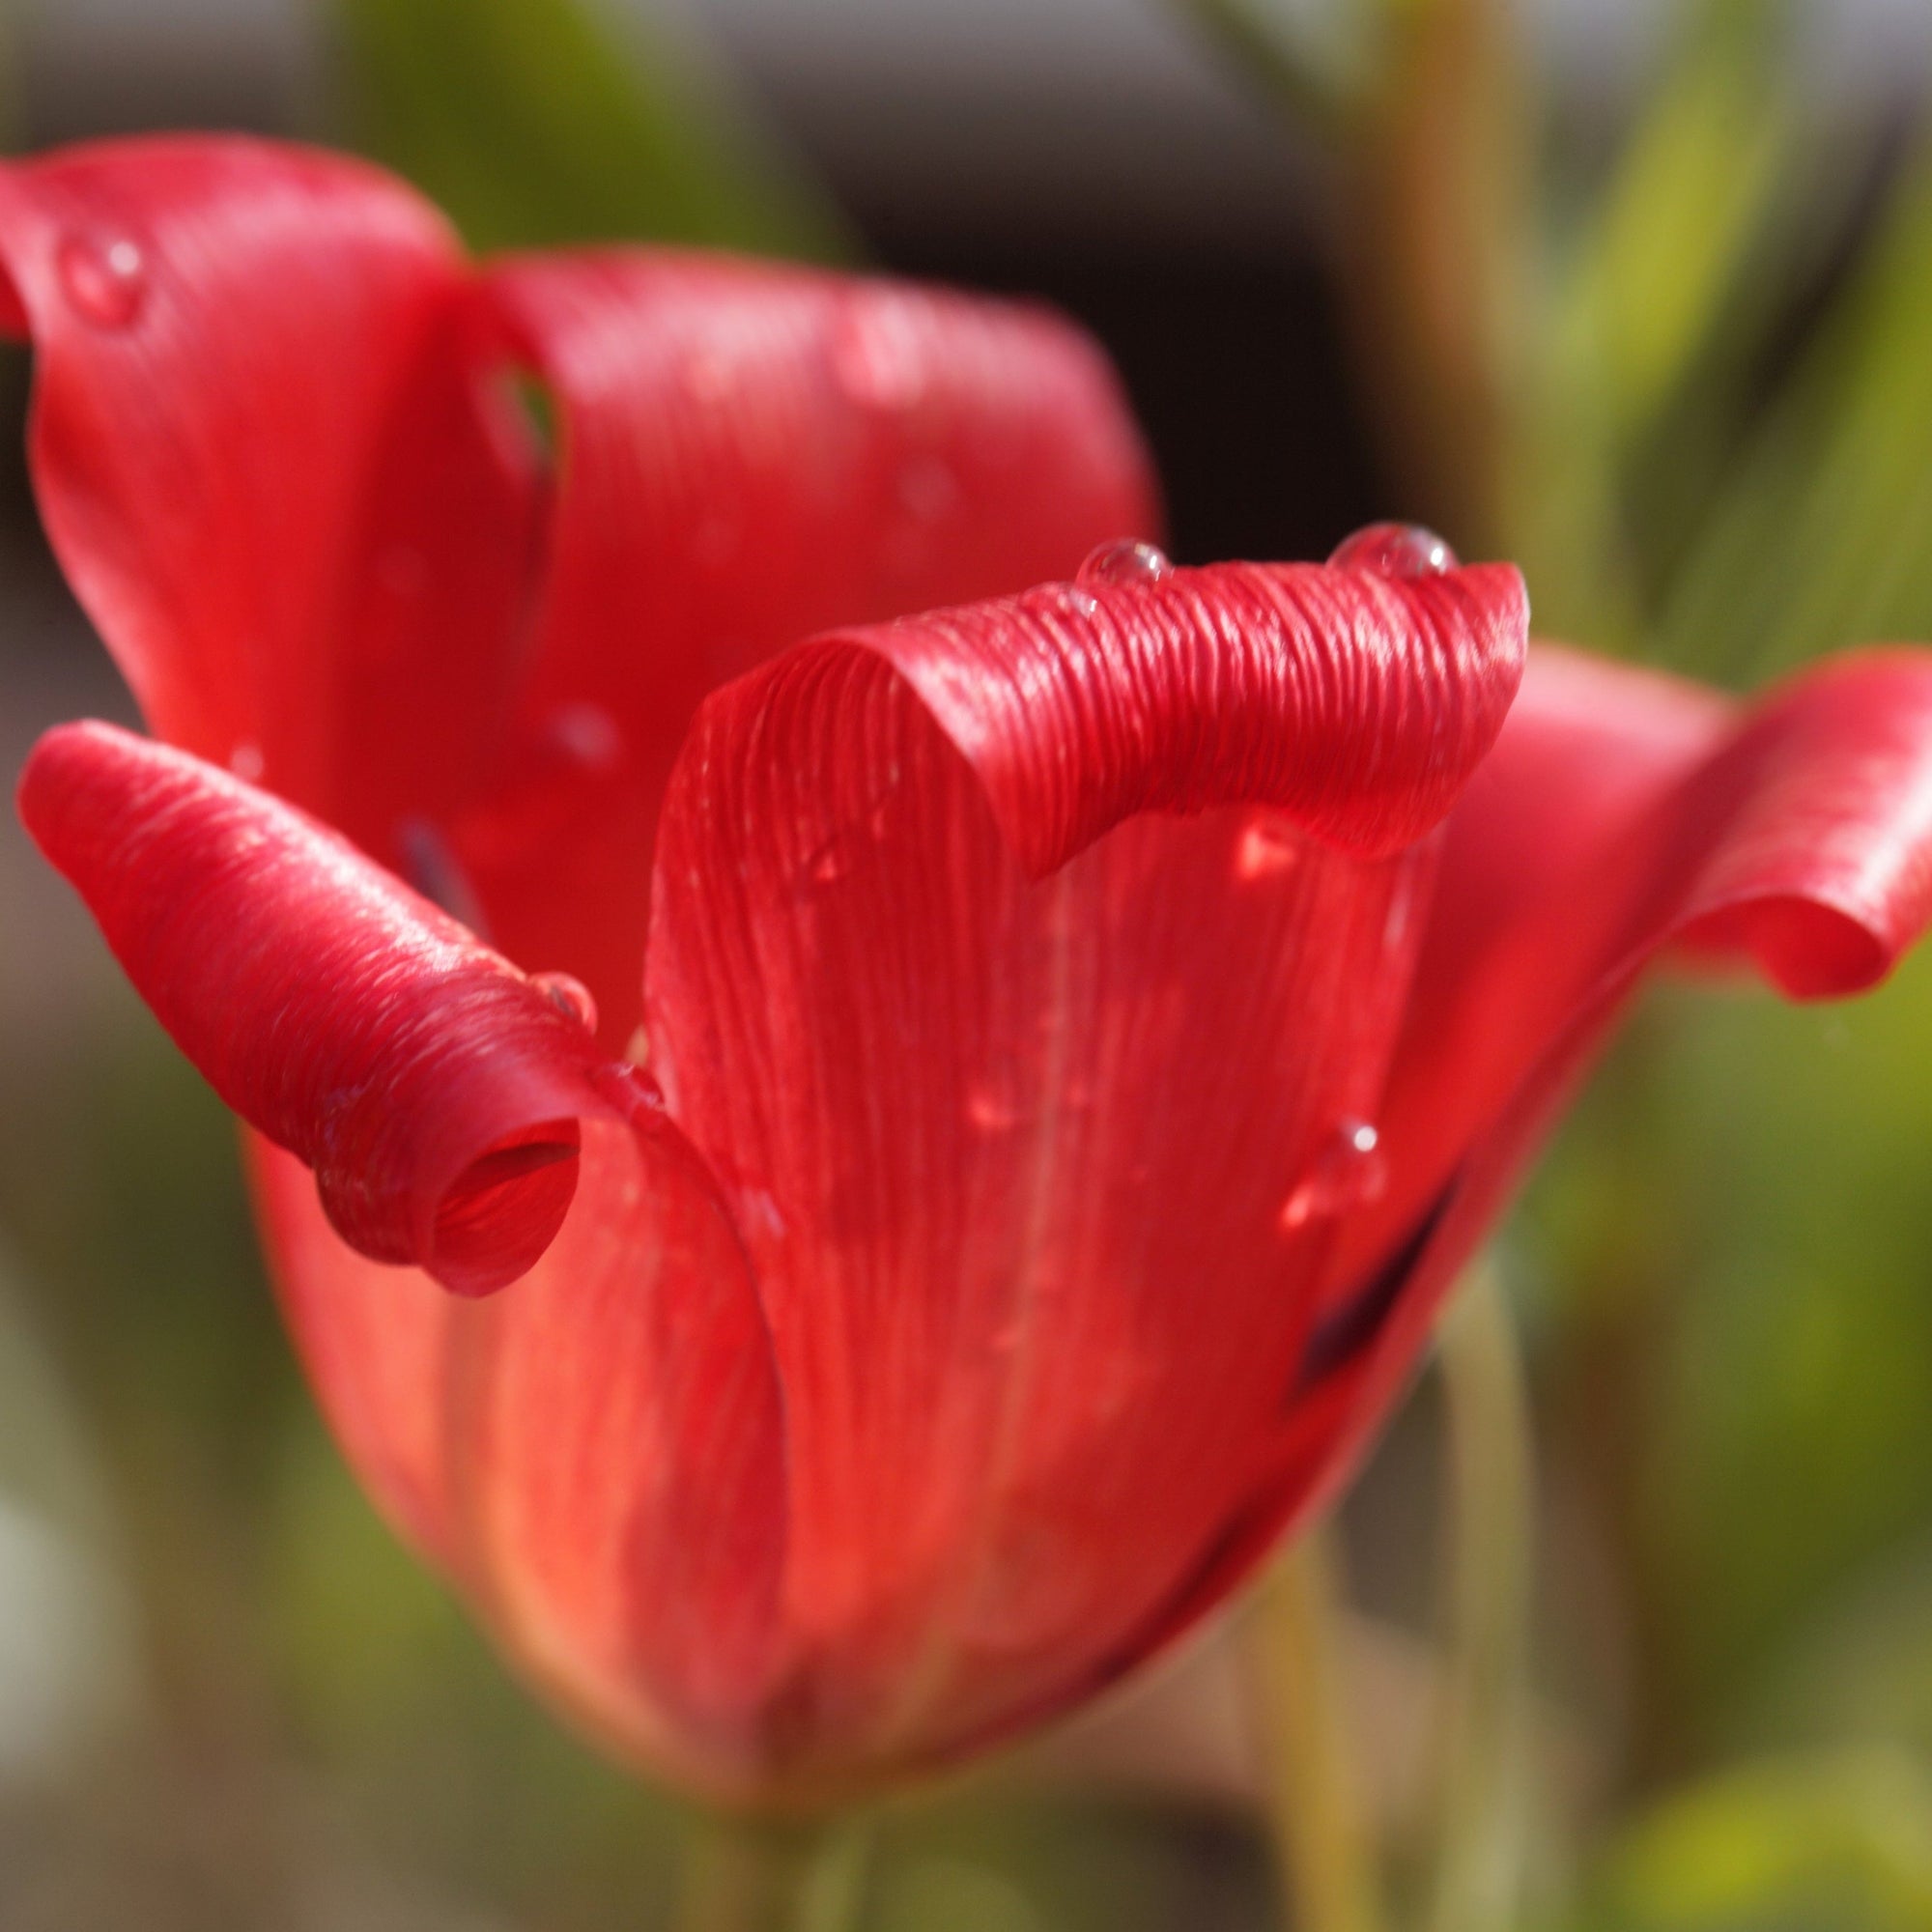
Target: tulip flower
{"points": [[845, 1182]]}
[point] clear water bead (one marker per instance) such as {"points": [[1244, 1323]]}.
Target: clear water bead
{"points": [[1124, 566], [571, 997], [1350, 1169], [990, 1110], [585, 735], [1395, 550], [1266, 849], [106, 279]]}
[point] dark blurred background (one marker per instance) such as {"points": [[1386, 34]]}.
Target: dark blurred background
{"points": [[1639, 294]]}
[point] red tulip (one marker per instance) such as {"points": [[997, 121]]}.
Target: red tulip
{"points": [[1062, 1063]]}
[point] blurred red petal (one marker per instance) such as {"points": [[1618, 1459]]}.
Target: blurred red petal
{"points": [[267, 462], [594, 1457], [747, 454], [993, 1139]]}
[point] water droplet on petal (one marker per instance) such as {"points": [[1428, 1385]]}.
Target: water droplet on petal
{"points": [[428, 861], [1266, 848], [759, 1213], [629, 1089], [708, 376], [1350, 1169], [990, 1111], [1124, 566], [1395, 550], [714, 543], [876, 357], [246, 762], [1082, 603], [106, 279], [586, 734], [571, 997], [927, 489]]}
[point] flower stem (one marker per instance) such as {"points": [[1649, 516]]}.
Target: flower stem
{"points": [[1479, 1765], [1321, 1840], [744, 1875]]}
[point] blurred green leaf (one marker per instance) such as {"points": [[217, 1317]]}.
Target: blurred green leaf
{"points": [[1824, 538], [530, 124], [1678, 224], [1862, 1670], [1831, 1845]]}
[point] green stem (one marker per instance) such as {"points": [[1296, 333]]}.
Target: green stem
{"points": [[1322, 1841], [1490, 1515], [744, 1875]]}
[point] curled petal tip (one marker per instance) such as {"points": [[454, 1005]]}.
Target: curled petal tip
{"points": [[434, 1090]]}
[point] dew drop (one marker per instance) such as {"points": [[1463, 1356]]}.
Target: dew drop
{"points": [[1124, 566], [927, 489], [246, 762], [708, 376], [988, 1111], [1082, 603], [1350, 1169], [715, 543], [106, 279], [402, 571], [759, 1213], [586, 735], [1266, 849], [876, 358], [571, 997], [428, 861], [629, 1089], [1395, 550]]}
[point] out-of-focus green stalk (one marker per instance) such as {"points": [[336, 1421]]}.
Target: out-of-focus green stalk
{"points": [[746, 1875], [1480, 1739], [1435, 231], [1321, 1840], [536, 122]]}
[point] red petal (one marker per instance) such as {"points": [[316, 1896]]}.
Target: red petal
{"points": [[749, 454], [1623, 814], [595, 1457], [434, 1090], [266, 464], [1023, 1163]]}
